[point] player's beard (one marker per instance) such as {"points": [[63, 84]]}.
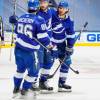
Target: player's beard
{"points": [[43, 8], [62, 14]]}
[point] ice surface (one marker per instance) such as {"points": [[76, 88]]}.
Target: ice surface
{"points": [[85, 86]]}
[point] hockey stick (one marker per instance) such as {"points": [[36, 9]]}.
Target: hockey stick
{"points": [[59, 59], [1, 34], [12, 37], [75, 71], [62, 61]]}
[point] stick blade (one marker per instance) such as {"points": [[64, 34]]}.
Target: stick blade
{"points": [[77, 72]]}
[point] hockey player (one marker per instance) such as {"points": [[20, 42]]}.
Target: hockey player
{"points": [[27, 27], [44, 57], [63, 31], [1, 32]]}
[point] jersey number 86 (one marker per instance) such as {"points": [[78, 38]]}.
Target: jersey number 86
{"points": [[25, 29]]}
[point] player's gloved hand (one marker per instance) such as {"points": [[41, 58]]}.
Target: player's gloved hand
{"points": [[69, 51], [54, 52], [13, 19], [50, 47]]}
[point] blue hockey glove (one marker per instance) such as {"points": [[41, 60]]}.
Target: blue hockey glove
{"points": [[54, 52], [69, 51], [13, 19]]}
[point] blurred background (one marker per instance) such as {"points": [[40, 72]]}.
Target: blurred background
{"points": [[81, 11]]}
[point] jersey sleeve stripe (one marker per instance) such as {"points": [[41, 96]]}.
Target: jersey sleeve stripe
{"points": [[71, 36], [42, 35], [24, 44]]}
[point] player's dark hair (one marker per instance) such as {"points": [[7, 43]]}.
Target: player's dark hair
{"points": [[31, 11]]}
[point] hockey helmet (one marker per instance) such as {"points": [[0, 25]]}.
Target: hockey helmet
{"points": [[33, 4], [64, 4]]}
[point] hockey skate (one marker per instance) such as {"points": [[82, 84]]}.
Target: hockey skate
{"points": [[23, 94], [64, 88], [16, 92], [29, 94], [45, 88], [35, 88]]}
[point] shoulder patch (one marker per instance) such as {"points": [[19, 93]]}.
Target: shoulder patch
{"points": [[40, 19]]}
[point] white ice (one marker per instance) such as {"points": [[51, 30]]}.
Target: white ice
{"points": [[85, 86]]}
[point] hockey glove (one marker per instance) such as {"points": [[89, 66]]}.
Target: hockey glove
{"points": [[69, 51], [54, 52], [13, 19]]}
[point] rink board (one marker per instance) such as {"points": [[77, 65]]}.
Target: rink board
{"points": [[86, 39]]}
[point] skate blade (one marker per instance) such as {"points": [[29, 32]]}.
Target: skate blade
{"points": [[46, 92], [29, 96], [33, 94], [64, 90], [15, 96], [23, 97]]}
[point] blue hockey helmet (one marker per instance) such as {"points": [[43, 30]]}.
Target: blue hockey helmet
{"points": [[64, 4], [33, 4]]}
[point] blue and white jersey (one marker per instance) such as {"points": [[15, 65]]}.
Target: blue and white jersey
{"points": [[28, 27], [63, 29], [47, 15]]}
